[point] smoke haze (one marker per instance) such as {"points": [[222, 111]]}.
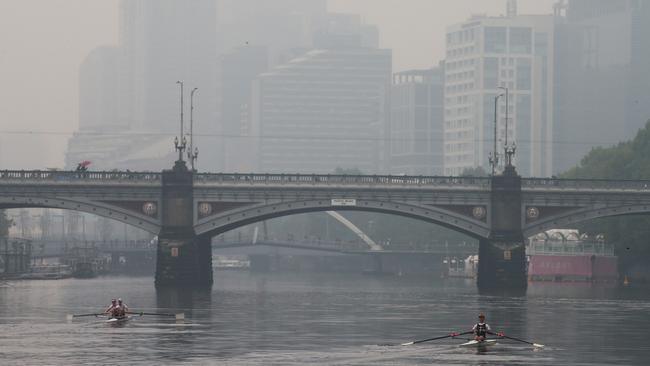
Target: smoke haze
{"points": [[43, 42]]}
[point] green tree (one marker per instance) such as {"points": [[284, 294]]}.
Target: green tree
{"points": [[626, 160]]}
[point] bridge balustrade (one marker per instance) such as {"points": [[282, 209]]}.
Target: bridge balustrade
{"points": [[95, 176], [582, 184], [318, 179]]}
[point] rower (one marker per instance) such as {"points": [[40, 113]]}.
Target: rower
{"points": [[122, 307], [481, 329], [111, 308]]}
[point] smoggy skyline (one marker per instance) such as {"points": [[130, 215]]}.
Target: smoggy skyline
{"points": [[43, 42]]}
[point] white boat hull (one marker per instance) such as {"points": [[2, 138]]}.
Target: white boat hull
{"points": [[485, 343], [118, 320]]}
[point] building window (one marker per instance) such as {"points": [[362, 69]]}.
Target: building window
{"points": [[523, 74], [421, 94], [495, 40], [490, 72], [520, 40], [541, 44]]}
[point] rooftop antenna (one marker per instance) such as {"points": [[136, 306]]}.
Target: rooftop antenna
{"points": [[511, 8]]}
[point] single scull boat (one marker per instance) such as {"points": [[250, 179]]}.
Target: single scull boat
{"points": [[474, 343]]}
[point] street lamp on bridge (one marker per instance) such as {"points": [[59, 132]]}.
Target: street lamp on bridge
{"points": [[180, 145], [494, 155], [509, 150], [193, 152]]}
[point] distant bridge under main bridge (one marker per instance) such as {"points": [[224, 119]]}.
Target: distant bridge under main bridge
{"points": [[356, 247], [186, 209]]}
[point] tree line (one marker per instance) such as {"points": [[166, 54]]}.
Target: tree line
{"points": [[629, 234]]}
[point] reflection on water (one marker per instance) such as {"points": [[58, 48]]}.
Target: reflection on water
{"points": [[318, 319]]}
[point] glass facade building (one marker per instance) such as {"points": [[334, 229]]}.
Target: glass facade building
{"points": [[416, 122], [323, 110], [485, 54]]}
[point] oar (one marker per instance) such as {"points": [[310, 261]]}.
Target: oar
{"points": [[70, 316], [517, 339], [436, 338], [179, 316]]}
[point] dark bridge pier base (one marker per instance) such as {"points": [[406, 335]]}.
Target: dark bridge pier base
{"points": [[502, 265], [184, 262], [502, 257], [183, 258]]}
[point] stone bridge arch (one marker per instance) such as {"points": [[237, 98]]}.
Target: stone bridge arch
{"points": [[229, 219], [575, 216], [125, 212]]}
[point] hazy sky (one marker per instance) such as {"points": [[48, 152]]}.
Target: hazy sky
{"points": [[43, 42]]}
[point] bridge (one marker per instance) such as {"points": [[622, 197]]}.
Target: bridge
{"points": [[186, 209], [353, 247]]}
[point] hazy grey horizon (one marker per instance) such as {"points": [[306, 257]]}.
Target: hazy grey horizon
{"points": [[43, 42]]}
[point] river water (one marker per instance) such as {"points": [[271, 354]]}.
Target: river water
{"points": [[318, 319]]}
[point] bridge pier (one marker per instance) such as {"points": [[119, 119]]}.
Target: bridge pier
{"points": [[183, 259], [502, 257]]}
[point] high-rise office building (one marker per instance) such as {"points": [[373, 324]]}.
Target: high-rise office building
{"points": [[416, 122], [323, 110], [164, 41], [98, 91], [279, 25], [327, 107], [238, 70], [483, 54], [132, 87], [602, 81]]}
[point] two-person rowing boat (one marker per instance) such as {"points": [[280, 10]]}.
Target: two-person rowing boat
{"points": [[118, 312], [480, 331]]}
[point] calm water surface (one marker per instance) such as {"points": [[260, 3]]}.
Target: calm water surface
{"points": [[318, 319]]}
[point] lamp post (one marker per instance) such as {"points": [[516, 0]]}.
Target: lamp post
{"points": [[193, 152], [494, 158], [508, 150], [506, 93], [180, 145]]}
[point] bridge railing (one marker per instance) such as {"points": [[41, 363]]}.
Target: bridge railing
{"points": [[331, 179], [230, 240], [92, 176], [585, 184]]}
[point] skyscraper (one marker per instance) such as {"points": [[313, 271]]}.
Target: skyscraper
{"points": [[132, 88], [279, 25], [164, 41], [327, 107], [602, 81], [323, 110], [238, 70], [483, 54], [98, 91], [416, 122]]}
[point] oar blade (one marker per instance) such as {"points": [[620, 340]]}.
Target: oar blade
{"points": [[407, 343], [69, 317], [180, 316], [537, 345]]}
